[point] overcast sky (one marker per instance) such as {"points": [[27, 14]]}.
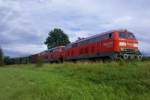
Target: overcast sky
{"points": [[24, 24]]}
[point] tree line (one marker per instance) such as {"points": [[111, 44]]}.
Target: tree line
{"points": [[4, 60], [56, 37]]}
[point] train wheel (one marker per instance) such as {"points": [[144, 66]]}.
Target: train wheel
{"points": [[125, 56], [139, 57]]}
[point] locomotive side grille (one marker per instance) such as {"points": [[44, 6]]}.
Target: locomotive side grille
{"points": [[130, 51]]}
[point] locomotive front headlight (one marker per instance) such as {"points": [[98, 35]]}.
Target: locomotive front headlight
{"points": [[135, 44], [122, 43]]}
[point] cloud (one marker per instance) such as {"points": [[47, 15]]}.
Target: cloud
{"points": [[28, 22]]}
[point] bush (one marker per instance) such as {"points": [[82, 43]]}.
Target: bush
{"points": [[7, 61]]}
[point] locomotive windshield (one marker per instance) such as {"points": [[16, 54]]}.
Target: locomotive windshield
{"points": [[126, 35], [122, 35], [131, 36]]}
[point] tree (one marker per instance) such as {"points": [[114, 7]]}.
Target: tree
{"points": [[1, 57], [7, 60], [56, 38]]}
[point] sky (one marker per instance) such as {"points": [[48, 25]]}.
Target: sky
{"points": [[25, 24]]}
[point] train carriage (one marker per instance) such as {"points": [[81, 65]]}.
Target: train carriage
{"points": [[56, 54]]}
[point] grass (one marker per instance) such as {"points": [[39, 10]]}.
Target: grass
{"points": [[76, 81]]}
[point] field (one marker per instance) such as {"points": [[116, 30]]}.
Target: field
{"points": [[76, 81]]}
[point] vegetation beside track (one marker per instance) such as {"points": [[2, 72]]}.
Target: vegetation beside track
{"points": [[76, 81]]}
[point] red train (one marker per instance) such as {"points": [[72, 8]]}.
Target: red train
{"points": [[114, 44]]}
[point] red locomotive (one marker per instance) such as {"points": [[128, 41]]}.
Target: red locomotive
{"points": [[114, 44]]}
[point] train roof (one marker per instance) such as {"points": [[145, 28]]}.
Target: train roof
{"points": [[55, 48], [103, 33], [48, 50]]}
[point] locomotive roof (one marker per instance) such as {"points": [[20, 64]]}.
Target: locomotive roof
{"points": [[121, 30]]}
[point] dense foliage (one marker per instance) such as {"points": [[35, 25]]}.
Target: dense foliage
{"points": [[56, 38]]}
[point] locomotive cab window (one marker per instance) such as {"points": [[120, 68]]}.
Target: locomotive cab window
{"points": [[122, 35], [131, 36], [126, 35], [110, 36]]}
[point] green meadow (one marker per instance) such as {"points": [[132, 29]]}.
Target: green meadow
{"points": [[76, 81]]}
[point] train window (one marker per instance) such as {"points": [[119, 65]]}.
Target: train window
{"points": [[74, 45], [80, 43], [131, 36], [110, 35], [105, 37], [122, 35], [92, 40], [68, 46], [84, 42], [96, 39]]}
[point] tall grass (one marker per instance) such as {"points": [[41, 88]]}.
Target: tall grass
{"points": [[76, 81]]}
